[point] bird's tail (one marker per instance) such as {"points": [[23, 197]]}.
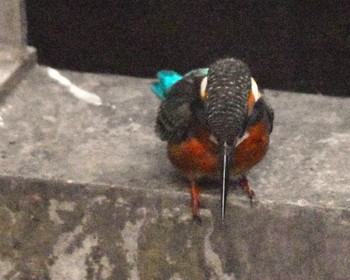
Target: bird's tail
{"points": [[166, 79]]}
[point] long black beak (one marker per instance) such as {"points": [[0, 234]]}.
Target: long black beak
{"points": [[225, 159]]}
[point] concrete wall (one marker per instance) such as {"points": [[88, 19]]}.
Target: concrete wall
{"points": [[15, 56], [12, 23]]}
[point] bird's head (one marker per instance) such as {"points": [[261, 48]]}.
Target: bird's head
{"points": [[225, 93]]}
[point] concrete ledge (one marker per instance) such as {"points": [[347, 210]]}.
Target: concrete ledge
{"points": [[87, 191], [55, 230]]}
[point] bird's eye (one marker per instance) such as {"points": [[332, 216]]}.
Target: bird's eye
{"points": [[203, 88]]}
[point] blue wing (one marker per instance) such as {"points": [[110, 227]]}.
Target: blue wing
{"points": [[167, 78]]}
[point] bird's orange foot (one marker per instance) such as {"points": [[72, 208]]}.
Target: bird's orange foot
{"points": [[243, 182], [195, 202]]}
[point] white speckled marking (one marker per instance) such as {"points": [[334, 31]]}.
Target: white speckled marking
{"points": [[99, 199], [10, 214], [337, 140], [134, 127], [5, 268], [4, 109], [166, 213], [75, 90], [213, 260], [130, 234], [176, 276], [72, 265], [107, 268], [102, 269], [120, 202], [302, 202], [61, 206]]}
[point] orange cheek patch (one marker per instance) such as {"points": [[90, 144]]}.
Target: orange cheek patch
{"points": [[203, 95], [251, 102]]}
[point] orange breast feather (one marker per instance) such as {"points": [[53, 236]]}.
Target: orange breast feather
{"points": [[198, 156], [251, 150]]}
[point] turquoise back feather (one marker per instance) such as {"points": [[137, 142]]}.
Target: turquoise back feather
{"points": [[198, 72], [167, 78]]}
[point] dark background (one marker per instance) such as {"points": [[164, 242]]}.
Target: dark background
{"points": [[290, 45]]}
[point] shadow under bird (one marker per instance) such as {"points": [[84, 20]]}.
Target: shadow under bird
{"points": [[216, 123]]}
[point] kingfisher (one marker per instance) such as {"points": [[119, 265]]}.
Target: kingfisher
{"points": [[216, 123]]}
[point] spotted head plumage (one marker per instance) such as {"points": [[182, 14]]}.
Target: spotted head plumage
{"points": [[228, 87]]}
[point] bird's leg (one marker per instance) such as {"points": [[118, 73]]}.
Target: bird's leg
{"points": [[243, 182], [195, 202]]}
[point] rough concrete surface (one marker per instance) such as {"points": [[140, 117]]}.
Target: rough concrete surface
{"points": [[14, 64], [87, 192]]}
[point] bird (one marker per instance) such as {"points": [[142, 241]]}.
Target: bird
{"points": [[216, 123]]}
